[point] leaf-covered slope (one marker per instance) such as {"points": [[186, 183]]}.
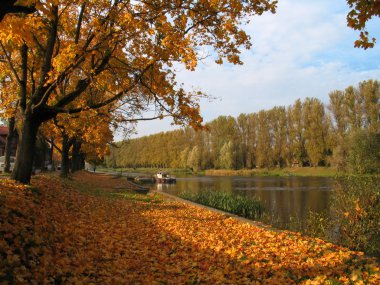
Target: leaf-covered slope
{"points": [[58, 234]]}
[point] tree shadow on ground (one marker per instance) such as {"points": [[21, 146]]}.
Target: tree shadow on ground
{"points": [[89, 239]]}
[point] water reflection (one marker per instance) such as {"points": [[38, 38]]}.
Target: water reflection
{"points": [[282, 197]]}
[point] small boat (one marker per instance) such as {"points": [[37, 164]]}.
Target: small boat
{"points": [[163, 177]]}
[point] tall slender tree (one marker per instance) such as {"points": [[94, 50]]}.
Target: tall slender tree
{"points": [[315, 126]]}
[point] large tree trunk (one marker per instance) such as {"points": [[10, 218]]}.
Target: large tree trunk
{"points": [[65, 161], [25, 152], [9, 144], [77, 157]]}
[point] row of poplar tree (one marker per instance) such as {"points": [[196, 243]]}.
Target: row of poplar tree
{"points": [[344, 134]]}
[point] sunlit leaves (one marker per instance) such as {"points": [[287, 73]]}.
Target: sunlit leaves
{"points": [[138, 35], [361, 13]]}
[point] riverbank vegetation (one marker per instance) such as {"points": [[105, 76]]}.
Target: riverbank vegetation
{"points": [[353, 219], [86, 231], [344, 135], [286, 171], [247, 207]]}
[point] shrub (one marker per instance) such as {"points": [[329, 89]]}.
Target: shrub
{"points": [[354, 217]]}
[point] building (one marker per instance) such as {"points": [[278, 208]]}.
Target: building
{"points": [[3, 140]]}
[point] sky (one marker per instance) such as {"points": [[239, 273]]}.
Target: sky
{"points": [[304, 50]]}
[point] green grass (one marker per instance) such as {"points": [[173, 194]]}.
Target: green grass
{"points": [[140, 197], [247, 207]]}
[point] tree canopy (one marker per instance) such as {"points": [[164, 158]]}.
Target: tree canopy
{"points": [[72, 56]]}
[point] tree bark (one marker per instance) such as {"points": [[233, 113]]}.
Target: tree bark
{"points": [[51, 153], [25, 152], [43, 150], [77, 156], [9, 144], [65, 161]]}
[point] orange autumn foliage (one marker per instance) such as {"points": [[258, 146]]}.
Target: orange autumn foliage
{"points": [[53, 233], [361, 12], [91, 128]]}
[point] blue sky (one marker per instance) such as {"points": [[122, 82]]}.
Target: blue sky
{"points": [[304, 50]]}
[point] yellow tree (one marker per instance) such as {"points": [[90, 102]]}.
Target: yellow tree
{"points": [[86, 134], [8, 107], [125, 49]]}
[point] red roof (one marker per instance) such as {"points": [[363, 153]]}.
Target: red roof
{"points": [[3, 130]]}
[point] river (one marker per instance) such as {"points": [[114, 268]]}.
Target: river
{"points": [[282, 197]]}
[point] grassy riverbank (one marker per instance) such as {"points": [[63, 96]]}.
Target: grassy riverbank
{"points": [[87, 230]]}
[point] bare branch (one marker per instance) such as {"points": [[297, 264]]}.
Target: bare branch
{"points": [[144, 119]]}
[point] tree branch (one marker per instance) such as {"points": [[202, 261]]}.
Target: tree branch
{"points": [[108, 101], [24, 76], [52, 143], [9, 60], [47, 59], [9, 7], [144, 119], [79, 25]]}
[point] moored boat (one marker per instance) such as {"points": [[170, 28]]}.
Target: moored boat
{"points": [[163, 177]]}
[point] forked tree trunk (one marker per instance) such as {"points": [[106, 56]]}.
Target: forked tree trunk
{"points": [[9, 144], [25, 152]]}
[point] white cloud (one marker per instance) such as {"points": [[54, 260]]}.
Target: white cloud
{"points": [[304, 50]]}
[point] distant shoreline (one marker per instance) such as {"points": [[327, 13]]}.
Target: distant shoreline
{"points": [[282, 172], [287, 171]]}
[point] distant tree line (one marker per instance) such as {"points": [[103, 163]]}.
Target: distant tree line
{"points": [[344, 134]]}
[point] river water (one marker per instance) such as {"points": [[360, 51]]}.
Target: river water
{"points": [[282, 197]]}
